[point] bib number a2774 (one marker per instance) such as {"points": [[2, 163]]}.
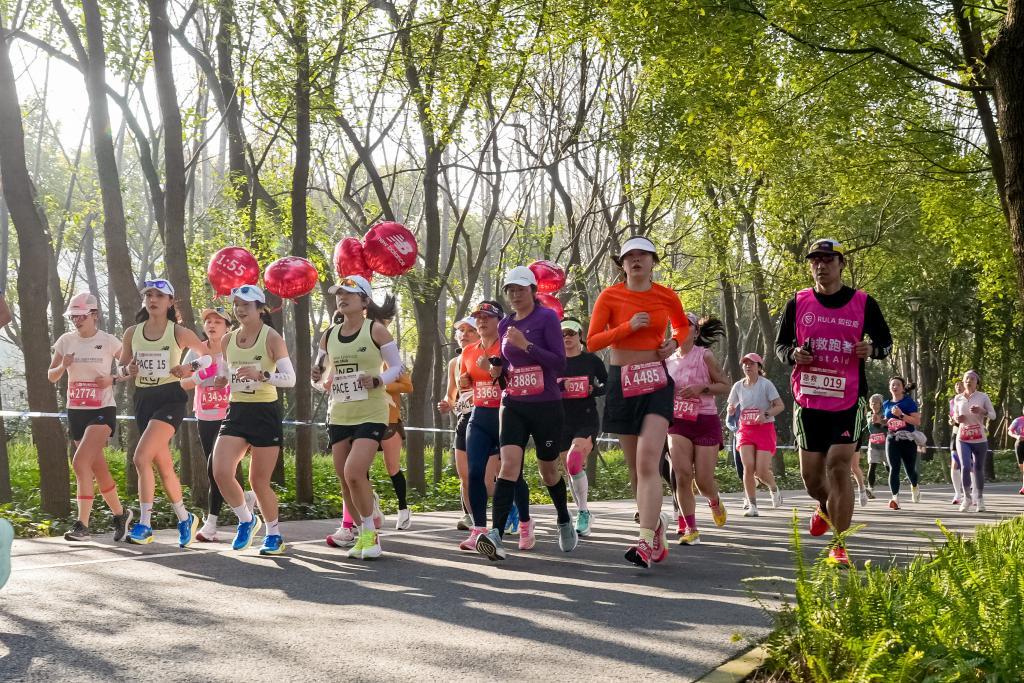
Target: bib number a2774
{"points": [[84, 395], [525, 381], [643, 378]]}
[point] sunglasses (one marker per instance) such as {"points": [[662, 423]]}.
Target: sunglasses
{"points": [[569, 333], [822, 258], [161, 285], [79, 316]]}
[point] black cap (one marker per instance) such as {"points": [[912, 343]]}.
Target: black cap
{"points": [[825, 246]]}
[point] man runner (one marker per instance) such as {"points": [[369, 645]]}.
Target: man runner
{"points": [[825, 333]]}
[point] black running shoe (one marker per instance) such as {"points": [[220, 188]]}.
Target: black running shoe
{"points": [[79, 532], [121, 523]]}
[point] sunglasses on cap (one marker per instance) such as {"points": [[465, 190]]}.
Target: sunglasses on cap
{"points": [[160, 285], [489, 309], [243, 290]]}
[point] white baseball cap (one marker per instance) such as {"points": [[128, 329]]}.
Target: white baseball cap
{"points": [[357, 284], [248, 293], [469, 320], [82, 303], [641, 243], [160, 284], [520, 275]]}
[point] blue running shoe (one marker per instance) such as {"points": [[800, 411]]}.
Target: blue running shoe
{"points": [[272, 545], [6, 539], [187, 531], [512, 525], [140, 534], [246, 532]]}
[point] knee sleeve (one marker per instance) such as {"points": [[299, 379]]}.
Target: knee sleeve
{"points": [[575, 461]]}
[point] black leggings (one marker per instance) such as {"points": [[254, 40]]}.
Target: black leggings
{"points": [[898, 451], [872, 472], [208, 430]]}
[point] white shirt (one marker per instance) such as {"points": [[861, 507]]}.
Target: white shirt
{"points": [[94, 357], [759, 396]]}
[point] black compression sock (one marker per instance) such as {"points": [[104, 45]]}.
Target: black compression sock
{"points": [[560, 499], [398, 481]]}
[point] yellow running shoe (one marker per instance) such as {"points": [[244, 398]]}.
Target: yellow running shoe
{"points": [[718, 512], [689, 537], [356, 551]]}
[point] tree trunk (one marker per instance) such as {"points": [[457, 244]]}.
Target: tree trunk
{"points": [[175, 254], [732, 328], [36, 251], [300, 247], [5, 463]]}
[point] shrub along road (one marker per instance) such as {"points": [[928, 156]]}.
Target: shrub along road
{"points": [[426, 610]]}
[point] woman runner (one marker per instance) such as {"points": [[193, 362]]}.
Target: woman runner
{"points": [[256, 364], [87, 355], [584, 380], [210, 405], [532, 359], [876, 440], [632, 318], [973, 409], [1016, 430], [358, 414], [955, 474], [152, 350], [901, 417], [758, 402], [695, 436]]}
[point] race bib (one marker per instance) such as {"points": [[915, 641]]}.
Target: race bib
{"points": [[153, 364], [895, 424], [971, 433], [486, 394], [575, 387], [525, 381], [877, 439], [685, 408], [643, 378], [84, 395], [817, 384], [242, 386], [214, 398], [749, 416], [346, 388]]}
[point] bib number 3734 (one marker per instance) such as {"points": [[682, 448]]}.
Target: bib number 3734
{"points": [[643, 378], [525, 381]]}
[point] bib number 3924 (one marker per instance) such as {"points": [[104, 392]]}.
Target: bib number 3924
{"points": [[643, 378], [83, 395], [525, 381], [576, 387]]}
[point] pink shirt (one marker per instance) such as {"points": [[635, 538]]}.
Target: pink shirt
{"points": [[692, 368]]}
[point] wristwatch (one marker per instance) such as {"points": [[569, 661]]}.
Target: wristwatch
{"points": [[266, 375]]}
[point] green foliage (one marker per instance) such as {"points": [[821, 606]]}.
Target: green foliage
{"points": [[956, 614]]}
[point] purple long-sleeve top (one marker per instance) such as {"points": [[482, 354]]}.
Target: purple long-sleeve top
{"points": [[543, 330]]}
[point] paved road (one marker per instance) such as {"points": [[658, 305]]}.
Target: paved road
{"points": [[425, 611]]}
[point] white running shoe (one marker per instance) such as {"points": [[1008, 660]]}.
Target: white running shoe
{"points": [[863, 498], [208, 533], [344, 537], [965, 504], [751, 511], [915, 494], [776, 498], [746, 503], [979, 505], [404, 520]]}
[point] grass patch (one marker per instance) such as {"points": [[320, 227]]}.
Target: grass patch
{"points": [[956, 614]]}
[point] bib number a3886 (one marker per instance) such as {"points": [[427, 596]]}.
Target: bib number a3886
{"points": [[525, 381]]}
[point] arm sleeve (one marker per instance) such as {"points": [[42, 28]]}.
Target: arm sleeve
{"points": [[389, 352], [284, 376], [785, 339], [553, 360], [403, 385], [600, 373], [599, 336], [676, 314], [876, 328]]}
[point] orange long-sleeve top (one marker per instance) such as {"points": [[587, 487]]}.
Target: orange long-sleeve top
{"points": [[403, 385], [616, 305]]}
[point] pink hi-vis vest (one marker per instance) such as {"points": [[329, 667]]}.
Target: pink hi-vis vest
{"points": [[832, 380]]}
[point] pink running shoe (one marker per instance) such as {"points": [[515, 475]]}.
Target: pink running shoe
{"points": [[660, 550], [526, 537], [640, 554], [474, 534]]}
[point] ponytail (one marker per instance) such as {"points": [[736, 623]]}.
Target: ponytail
{"points": [[709, 331], [267, 318], [381, 312]]}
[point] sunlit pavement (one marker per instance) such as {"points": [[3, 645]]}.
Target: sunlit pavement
{"points": [[427, 611]]}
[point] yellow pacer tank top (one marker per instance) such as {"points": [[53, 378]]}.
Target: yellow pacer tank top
{"points": [[257, 356], [352, 404], [155, 358]]}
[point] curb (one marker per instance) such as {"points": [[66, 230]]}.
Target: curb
{"points": [[738, 669]]}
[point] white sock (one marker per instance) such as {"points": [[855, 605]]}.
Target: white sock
{"points": [[272, 529], [368, 524], [210, 523], [958, 482], [145, 514], [179, 510], [244, 513]]}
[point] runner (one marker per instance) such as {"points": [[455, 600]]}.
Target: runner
{"points": [[585, 379], [210, 405], [695, 437], [973, 409], [822, 334], [955, 474], [632, 317], [151, 350], [353, 352], [901, 418], [391, 444], [257, 363], [1016, 430], [877, 430], [460, 401], [532, 359], [87, 354], [757, 402]]}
